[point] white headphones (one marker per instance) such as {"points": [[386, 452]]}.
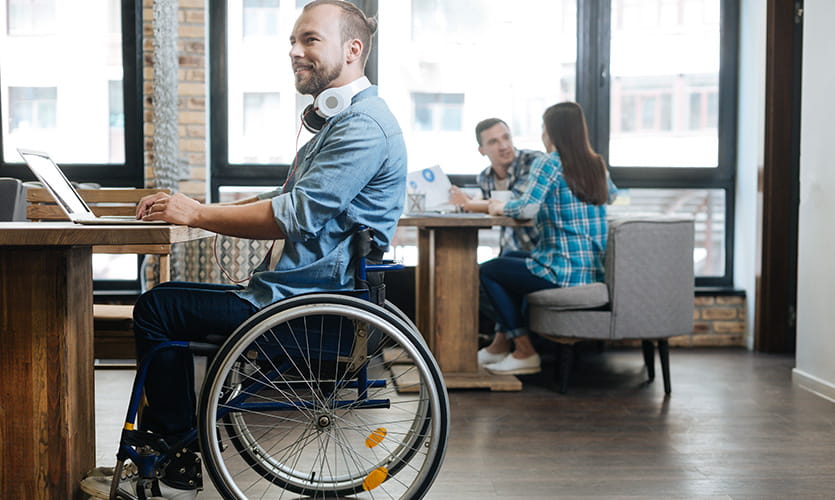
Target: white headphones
{"points": [[331, 102]]}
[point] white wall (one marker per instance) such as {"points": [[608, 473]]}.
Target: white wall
{"points": [[750, 149], [815, 363]]}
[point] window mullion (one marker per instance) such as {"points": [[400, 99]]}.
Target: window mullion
{"points": [[593, 30]]}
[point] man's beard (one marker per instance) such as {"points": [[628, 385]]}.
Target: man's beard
{"points": [[318, 80]]}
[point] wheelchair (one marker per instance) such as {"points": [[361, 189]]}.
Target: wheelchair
{"points": [[321, 395]]}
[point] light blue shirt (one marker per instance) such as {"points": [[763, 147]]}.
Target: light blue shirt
{"points": [[351, 173]]}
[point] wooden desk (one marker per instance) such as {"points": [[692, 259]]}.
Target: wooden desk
{"points": [[446, 295], [47, 426]]}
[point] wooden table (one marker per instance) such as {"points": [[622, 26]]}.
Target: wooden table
{"points": [[47, 426], [446, 295]]}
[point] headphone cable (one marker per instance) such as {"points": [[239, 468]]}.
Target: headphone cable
{"points": [[268, 256]]}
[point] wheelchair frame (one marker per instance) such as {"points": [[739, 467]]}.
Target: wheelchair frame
{"points": [[265, 370]]}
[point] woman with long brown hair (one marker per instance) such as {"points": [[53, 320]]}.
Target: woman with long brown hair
{"points": [[566, 194]]}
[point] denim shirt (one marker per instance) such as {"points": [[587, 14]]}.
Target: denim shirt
{"points": [[351, 173]]}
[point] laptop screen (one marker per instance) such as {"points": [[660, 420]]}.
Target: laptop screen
{"points": [[51, 176]]}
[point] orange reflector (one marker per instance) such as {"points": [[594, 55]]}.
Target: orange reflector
{"points": [[375, 478], [376, 437]]}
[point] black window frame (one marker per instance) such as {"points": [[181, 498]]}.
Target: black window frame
{"points": [[593, 91], [131, 173]]}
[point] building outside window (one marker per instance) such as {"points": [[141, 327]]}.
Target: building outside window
{"points": [[32, 109], [30, 17], [437, 112], [260, 18]]}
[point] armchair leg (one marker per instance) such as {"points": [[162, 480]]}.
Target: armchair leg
{"points": [[649, 358], [664, 354], [566, 360]]}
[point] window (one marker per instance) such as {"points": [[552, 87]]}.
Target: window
{"points": [[116, 119], [437, 112], [444, 66], [705, 206], [660, 50], [59, 89], [260, 18], [657, 79], [671, 113], [256, 135], [261, 125], [30, 17], [77, 97], [31, 110]]}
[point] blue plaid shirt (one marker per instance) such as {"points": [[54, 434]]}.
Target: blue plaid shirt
{"points": [[572, 233], [513, 238]]}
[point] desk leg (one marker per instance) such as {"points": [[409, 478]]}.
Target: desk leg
{"points": [[47, 429], [447, 306]]}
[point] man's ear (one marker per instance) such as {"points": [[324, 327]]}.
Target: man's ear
{"points": [[353, 51], [481, 150]]}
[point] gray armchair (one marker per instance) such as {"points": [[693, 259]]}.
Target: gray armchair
{"points": [[648, 294]]}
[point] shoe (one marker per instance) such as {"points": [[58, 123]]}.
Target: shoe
{"points": [[513, 366], [485, 357], [97, 484]]}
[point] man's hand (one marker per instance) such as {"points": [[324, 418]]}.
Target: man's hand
{"points": [[457, 197], [495, 207], [176, 209], [254, 221]]}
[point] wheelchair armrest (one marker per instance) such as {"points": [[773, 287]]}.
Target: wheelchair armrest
{"points": [[386, 265]]}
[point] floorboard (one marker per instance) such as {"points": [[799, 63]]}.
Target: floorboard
{"points": [[734, 427]]}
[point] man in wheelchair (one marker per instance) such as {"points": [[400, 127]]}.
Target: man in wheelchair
{"points": [[350, 174]]}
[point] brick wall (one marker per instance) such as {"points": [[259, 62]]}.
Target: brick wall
{"points": [[192, 94], [192, 122], [191, 49], [718, 320]]}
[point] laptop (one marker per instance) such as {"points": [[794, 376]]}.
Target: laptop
{"points": [[65, 194]]}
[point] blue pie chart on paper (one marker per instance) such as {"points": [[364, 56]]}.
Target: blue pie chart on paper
{"points": [[413, 185], [429, 175]]}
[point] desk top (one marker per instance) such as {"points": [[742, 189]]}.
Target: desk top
{"points": [[459, 220], [69, 234]]}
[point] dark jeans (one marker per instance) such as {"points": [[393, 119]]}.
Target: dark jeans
{"points": [[180, 311], [505, 281]]}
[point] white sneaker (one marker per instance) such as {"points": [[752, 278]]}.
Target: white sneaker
{"points": [[513, 366], [97, 485], [485, 357]]}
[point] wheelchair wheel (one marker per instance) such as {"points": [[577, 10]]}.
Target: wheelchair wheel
{"points": [[324, 395]]}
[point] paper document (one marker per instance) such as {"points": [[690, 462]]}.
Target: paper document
{"points": [[433, 183]]}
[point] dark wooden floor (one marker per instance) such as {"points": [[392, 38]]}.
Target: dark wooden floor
{"points": [[733, 427]]}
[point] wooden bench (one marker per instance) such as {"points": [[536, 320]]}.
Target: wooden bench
{"points": [[112, 322]]}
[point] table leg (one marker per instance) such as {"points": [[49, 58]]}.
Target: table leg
{"points": [[47, 428], [447, 306]]}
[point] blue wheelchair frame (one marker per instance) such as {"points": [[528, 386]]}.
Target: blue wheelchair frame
{"points": [[150, 452]]}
